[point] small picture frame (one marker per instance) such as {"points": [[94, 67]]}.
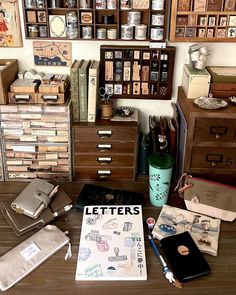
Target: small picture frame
{"points": [[210, 33], [179, 32], [202, 21], [221, 33], [232, 32], [201, 32], [41, 16], [232, 20], [212, 21], [223, 21], [190, 32], [118, 89]]}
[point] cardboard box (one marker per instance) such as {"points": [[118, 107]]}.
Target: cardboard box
{"points": [[195, 82], [8, 73]]}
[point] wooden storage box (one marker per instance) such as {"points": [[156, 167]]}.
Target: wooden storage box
{"points": [[21, 97], [195, 82], [8, 73], [52, 97], [223, 81]]}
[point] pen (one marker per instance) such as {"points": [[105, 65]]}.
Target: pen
{"points": [[53, 191], [167, 272], [62, 210]]}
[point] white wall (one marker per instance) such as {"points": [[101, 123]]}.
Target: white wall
{"points": [[221, 54]]}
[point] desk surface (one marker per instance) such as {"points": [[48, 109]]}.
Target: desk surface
{"points": [[56, 276]]}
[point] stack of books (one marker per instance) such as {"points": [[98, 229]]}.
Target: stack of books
{"points": [[84, 90]]}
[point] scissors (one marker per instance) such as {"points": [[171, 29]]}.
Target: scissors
{"points": [[105, 93]]}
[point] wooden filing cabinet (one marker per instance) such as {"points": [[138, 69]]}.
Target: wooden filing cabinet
{"points": [[208, 145], [105, 150]]}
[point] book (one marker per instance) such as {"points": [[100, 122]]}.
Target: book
{"points": [[204, 230], [93, 81], [92, 194], [184, 257], [112, 245], [83, 90], [74, 89]]}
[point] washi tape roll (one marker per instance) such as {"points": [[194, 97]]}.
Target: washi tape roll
{"points": [[107, 18], [126, 32], [158, 19], [141, 32], [134, 18], [111, 34], [157, 4], [156, 33]]}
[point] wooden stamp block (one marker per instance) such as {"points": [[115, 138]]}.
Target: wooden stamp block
{"points": [[41, 15], [200, 5], [31, 16], [183, 5], [214, 5], [86, 17], [229, 5]]}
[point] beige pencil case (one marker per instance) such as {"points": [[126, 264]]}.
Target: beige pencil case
{"points": [[24, 258]]}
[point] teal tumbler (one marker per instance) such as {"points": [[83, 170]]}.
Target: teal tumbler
{"points": [[160, 172]]}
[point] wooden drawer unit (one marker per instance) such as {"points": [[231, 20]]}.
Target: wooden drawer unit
{"points": [[209, 144], [105, 150]]}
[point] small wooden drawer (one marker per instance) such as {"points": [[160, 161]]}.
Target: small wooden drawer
{"points": [[99, 173], [106, 147], [26, 98], [215, 130], [108, 160], [105, 133], [215, 158]]}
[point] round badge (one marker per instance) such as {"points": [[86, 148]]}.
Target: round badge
{"points": [[183, 250]]}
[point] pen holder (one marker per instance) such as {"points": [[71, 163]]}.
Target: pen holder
{"points": [[160, 172]]}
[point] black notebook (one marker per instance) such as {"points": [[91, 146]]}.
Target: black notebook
{"points": [[184, 257], [99, 195]]}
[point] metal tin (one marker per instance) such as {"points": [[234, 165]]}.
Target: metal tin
{"points": [[40, 3], [112, 4], [70, 3], [30, 3], [126, 32], [71, 25], [101, 33], [87, 32], [134, 18]]}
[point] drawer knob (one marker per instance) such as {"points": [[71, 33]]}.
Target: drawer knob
{"points": [[104, 160], [214, 159], [104, 173], [104, 147], [104, 133], [218, 131]]}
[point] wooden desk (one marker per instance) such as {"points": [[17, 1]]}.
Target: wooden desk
{"points": [[56, 276]]}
